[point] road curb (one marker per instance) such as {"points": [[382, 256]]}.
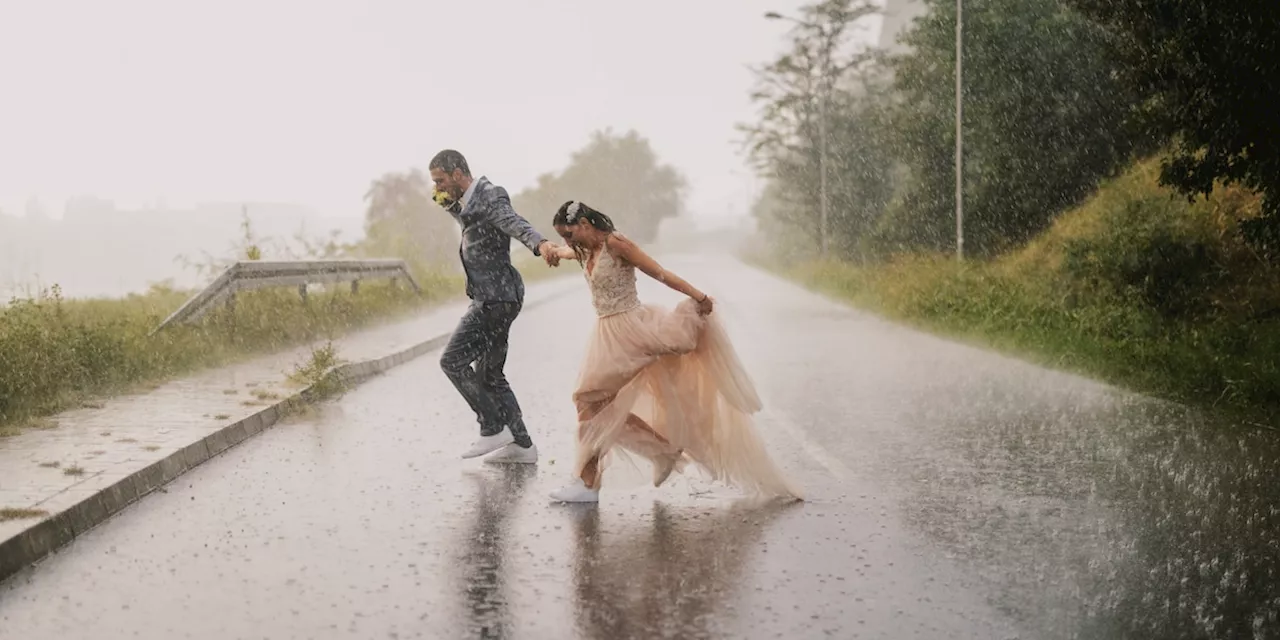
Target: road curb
{"points": [[43, 538]]}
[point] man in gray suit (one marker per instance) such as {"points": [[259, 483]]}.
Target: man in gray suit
{"points": [[497, 295]]}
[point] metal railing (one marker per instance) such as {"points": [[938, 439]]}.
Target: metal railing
{"points": [[259, 274]]}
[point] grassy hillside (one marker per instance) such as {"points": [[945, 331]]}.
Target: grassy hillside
{"points": [[1137, 287]]}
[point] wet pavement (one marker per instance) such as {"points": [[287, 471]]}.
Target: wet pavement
{"points": [[952, 494]]}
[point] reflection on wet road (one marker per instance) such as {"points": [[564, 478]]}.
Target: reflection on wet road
{"points": [[953, 494]]}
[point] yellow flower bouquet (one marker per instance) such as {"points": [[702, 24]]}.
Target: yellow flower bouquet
{"points": [[445, 200]]}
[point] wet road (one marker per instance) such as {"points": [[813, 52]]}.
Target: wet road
{"points": [[952, 494]]}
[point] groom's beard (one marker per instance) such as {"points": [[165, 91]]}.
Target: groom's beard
{"points": [[456, 195]]}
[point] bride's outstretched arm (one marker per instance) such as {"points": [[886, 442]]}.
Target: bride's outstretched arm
{"points": [[631, 252]]}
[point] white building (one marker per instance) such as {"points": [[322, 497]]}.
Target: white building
{"points": [[898, 16]]}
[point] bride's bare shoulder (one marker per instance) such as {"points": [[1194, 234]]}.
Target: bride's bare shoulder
{"points": [[620, 245]]}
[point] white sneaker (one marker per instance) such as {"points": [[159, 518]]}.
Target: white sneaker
{"points": [[576, 492], [514, 454], [662, 470], [489, 444]]}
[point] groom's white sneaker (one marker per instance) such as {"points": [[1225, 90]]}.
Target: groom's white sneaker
{"points": [[489, 444], [514, 454], [576, 492]]}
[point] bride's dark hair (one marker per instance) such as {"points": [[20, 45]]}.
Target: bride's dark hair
{"points": [[574, 212], [582, 213]]}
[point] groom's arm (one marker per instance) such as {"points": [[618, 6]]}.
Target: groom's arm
{"points": [[503, 216]]}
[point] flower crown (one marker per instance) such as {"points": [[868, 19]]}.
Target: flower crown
{"points": [[574, 212]]}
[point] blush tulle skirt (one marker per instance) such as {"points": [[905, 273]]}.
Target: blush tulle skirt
{"points": [[667, 385]]}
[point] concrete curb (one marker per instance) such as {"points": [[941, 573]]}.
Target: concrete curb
{"points": [[43, 538]]}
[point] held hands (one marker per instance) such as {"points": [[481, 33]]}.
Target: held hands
{"points": [[705, 305], [550, 253]]}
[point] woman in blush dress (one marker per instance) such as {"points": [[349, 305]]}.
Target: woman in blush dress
{"points": [[664, 384]]}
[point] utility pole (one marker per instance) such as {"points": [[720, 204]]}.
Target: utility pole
{"points": [[959, 136]]}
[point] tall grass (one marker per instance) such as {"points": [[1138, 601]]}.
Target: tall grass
{"points": [[1137, 287]]}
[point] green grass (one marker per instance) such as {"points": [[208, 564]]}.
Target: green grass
{"points": [[10, 513], [57, 353], [1136, 287], [532, 269], [313, 373]]}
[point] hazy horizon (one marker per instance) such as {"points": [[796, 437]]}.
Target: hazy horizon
{"points": [[143, 102], [295, 108]]}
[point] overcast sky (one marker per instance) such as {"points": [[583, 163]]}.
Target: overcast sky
{"points": [[307, 101]]}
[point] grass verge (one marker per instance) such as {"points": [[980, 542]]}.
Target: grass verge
{"points": [[57, 353]]}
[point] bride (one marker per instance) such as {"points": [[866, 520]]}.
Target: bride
{"points": [[663, 384]]}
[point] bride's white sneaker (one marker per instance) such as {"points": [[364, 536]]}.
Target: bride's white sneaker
{"points": [[662, 470], [576, 492], [489, 444]]}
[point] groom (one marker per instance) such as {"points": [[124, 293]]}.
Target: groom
{"points": [[497, 295]]}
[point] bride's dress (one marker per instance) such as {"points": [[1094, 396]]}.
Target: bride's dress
{"points": [[666, 385]]}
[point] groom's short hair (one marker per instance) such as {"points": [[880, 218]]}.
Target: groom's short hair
{"points": [[449, 161]]}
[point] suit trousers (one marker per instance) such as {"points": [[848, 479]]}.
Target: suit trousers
{"points": [[474, 360]]}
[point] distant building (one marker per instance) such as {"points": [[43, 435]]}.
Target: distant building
{"points": [[36, 211], [87, 208], [898, 18]]}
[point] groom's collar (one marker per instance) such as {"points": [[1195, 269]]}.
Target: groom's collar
{"points": [[470, 192]]}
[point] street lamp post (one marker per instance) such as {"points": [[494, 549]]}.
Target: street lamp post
{"points": [[823, 90]]}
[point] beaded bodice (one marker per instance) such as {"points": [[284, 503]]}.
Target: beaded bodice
{"points": [[613, 285]]}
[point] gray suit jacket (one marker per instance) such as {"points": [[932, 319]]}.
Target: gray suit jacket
{"points": [[488, 225]]}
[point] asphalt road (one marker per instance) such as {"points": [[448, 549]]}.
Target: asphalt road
{"points": [[952, 493]]}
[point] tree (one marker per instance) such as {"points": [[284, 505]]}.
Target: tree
{"points": [[814, 109], [1045, 118], [401, 220], [860, 184], [1209, 80], [618, 175]]}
